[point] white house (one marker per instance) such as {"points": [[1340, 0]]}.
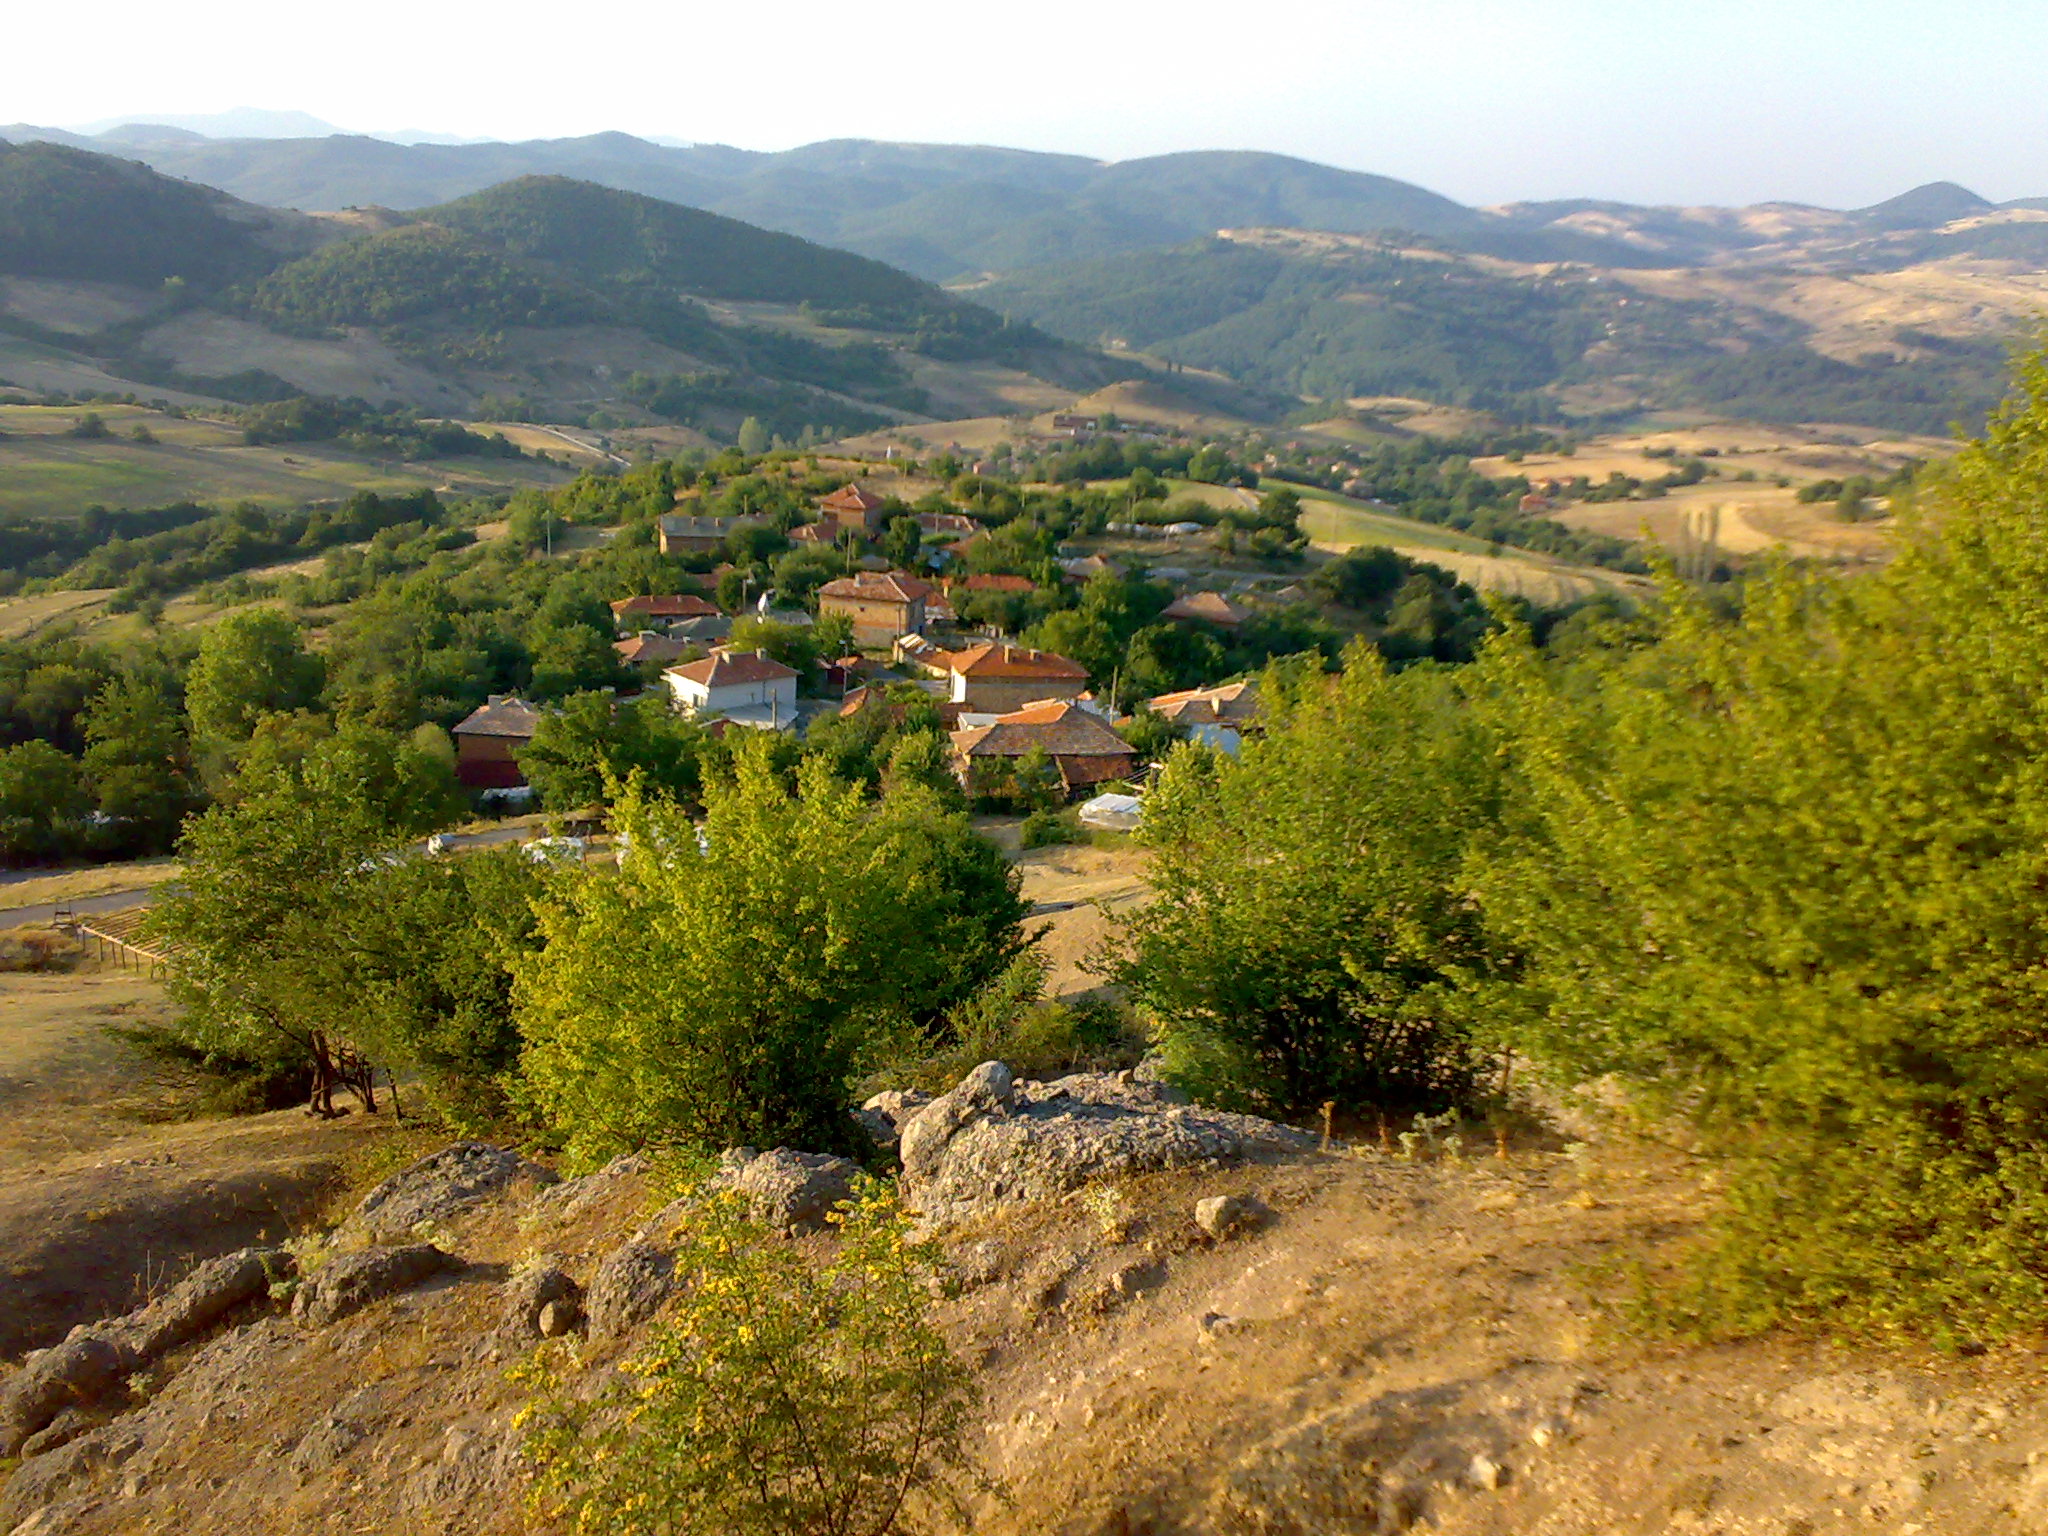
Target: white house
{"points": [[745, 687]]}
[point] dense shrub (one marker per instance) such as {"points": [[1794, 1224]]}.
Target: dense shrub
{"points": [[1311, 917], [782, 1394], [1783, 874]]}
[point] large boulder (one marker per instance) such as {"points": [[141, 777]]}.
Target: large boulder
{"points": [[789, 1191], [628, 1288], [205, 1296], [81, 1370], [991, 1141], [439, 1186], [93, 1362], [352, 1281]]}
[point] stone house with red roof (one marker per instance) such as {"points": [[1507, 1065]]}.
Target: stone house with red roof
{"points": [[1079, 742], [880, 604], [993, 677], [854, 506]]}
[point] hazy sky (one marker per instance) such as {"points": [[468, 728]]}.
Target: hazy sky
{"points": [[1840, 102]]}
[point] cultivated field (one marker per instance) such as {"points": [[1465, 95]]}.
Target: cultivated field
{"points": [[44, 471], [1752, 487]]}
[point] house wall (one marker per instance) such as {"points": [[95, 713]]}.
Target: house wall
{"points": [[487, 762], [690, 544], [695, 698], [876, 621]]}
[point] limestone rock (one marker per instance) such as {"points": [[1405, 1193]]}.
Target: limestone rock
{"points": [[192, 1306], [439, 1186], [1223, 1216], [629, 1288], [355, 1280], [885, 1115], [535, 1288], [81, 1370], [789, 1191], [990, 1141], [558, 1319]]}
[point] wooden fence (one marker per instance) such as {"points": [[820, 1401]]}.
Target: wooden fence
{"points": [[118, 936]]}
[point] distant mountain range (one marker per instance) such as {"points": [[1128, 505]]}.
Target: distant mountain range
{"points": [[946, 212], [1296, 277]]}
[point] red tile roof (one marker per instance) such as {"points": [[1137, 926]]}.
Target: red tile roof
{"points": [[502, 715], [729, 669], [993, 660], [649, 648], [878, 586], [1225, 704], [851, 498], [1000, 584], [1087, 749], [1207, 607], [814, 533], [654, 607]]}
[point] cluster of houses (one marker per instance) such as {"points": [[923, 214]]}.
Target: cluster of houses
{"points": [[1000, 702]]}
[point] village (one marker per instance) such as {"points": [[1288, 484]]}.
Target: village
{"points": [[1001, 703]]}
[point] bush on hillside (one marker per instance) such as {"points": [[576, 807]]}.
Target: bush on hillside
{"points": [[1311, 915], [1783, 874], [782, 1394], [728, 990]]}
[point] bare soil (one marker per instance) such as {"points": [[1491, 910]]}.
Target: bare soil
{"points": [[100, 1201]]}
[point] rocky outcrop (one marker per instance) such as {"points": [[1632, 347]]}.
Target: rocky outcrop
{"points": [[445, 1184], [885, 1115], [629, 1288], [90, 1364], [992, 1141], [352, 1281], [192, 1307], [788, 1192]]}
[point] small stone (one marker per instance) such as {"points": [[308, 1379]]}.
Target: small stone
{"points": [[1487, 1473], [1221, 1216], [557, 1319], [1217, 1325]]}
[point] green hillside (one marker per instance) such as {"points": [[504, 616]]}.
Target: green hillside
{"points": [[420, 272], [606, 236], [67, 213]]}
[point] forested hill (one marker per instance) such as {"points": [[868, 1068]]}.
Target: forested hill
{"points": [[550, 250], [69, 213], [601, 235], [545, 297]]}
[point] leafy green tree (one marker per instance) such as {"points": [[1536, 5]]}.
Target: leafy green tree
{"points": [[1311, 917], [250, 664], [595, 741], [901, 542], [271, 877], [43, 799], [728, 991], [421, 949], [1782, 874], [753, 437], [139, 766]]}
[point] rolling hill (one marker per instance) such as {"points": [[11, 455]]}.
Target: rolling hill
{"points": [[542, 296]]}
